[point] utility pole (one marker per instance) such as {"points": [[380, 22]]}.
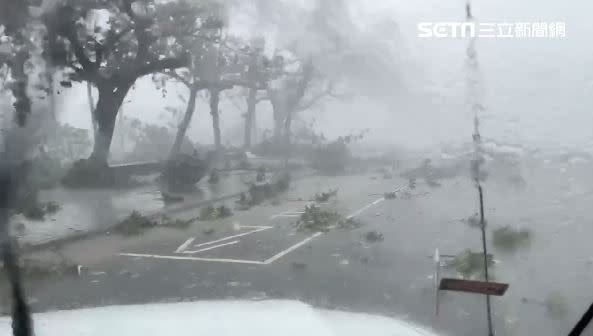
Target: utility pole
{"points": [[477, 107]]}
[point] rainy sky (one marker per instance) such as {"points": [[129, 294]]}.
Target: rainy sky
{"points": [[410, 91]]}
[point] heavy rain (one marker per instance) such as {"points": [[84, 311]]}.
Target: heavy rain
{"points": [[425, 161]]}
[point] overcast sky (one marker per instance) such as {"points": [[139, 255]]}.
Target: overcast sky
{"points": [[537, 91]]}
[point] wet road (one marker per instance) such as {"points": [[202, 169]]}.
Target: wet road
{"points": [[258, 254]]}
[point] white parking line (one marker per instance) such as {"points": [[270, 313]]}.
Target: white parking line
{"points": [[183, 246], [290, 249], [359, 211], [232, 261], [288, 213], [212, 247]]}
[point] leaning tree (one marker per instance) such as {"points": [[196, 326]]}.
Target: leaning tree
{"points": [[137, 38]]}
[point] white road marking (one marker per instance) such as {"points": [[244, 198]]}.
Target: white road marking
{"points": [[212, 247], [292, 248], [184, 246], [231, 261], [295, 212], [359, 211], [261, 228]]}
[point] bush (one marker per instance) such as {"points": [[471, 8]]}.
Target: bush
{"points": [[373, 237], [184, 171], [349, 223], [390, 195], [46, 173], [261, 192], [87, 174], [509, 239], [177, 223], [52, 207], [470, 264], [28, 204], [212, 213], [325, 196], [261, 174], [331, 158], [473, 221], [317, 220], [134, 224], [214, 177]]}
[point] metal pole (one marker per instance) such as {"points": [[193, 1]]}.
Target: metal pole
{"points": [[484, 247]]}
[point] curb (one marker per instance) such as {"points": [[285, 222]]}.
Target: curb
{"points": [[56, 243]]}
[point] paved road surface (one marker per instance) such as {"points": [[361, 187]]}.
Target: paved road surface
{"points": [[258, 254]]}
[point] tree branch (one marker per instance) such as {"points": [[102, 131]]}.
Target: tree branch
{"points": [[112, 39], [82, 58], [173, 74], [160, 65], [139, 27], [315, 99]]}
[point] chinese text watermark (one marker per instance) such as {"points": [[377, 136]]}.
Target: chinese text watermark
{"points": [[520, 30]]}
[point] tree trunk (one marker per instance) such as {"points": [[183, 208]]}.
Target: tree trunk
{"points": [[278, 113], [250, 116], [110, 100], [214, 99], [287, 126], [20, 85], [89, 93], [184, 125], [52, 93]]}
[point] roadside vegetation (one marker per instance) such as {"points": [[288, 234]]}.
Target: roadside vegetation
{"points": [[325, 196], [260, 192], [317, 219], [212, 213], [373, 237], [134, 224], [470, 264], [509, 240]]}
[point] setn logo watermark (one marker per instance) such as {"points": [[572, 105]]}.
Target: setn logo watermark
{"points": [[492, 29]]}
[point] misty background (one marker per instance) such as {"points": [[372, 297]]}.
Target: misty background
{"points": [[409, 91]]}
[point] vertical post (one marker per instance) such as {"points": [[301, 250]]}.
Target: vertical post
{"points": [[485, 248]]}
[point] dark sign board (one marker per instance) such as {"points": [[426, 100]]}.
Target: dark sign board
{"points": [[473, 286]]}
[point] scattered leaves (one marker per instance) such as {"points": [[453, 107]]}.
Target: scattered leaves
{"points": [[390, 195], [214, 177], [373, 237], [556, 306], [325, 196], [470, 264], [316, 219], [261, 174], [134, 224], [211, 213]]}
